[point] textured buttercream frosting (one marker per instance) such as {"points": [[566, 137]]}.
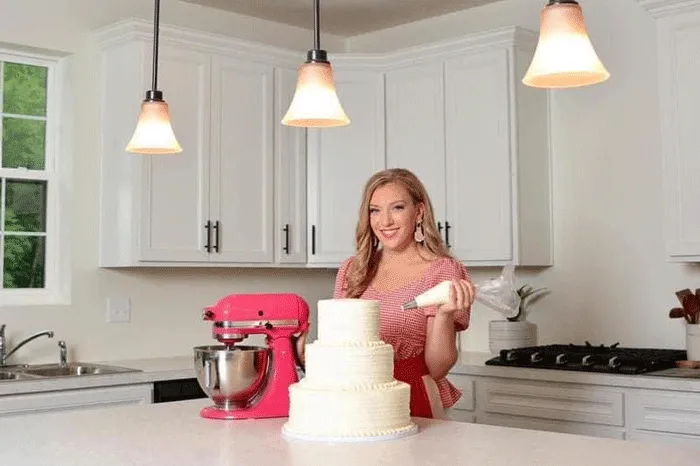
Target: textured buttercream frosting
{"points": [[345, 365], [348, 320], [349, 390], [368, 411]]}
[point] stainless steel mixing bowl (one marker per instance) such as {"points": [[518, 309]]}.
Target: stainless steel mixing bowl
{"points": [[232, 377]]}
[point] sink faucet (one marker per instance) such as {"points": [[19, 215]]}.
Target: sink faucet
{"points": [[63, 353], [4, 354]]}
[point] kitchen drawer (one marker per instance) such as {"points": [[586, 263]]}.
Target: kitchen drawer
{"points": [[664, 412], [662, 437], [578, 428], [562, 402], [466, 386]]}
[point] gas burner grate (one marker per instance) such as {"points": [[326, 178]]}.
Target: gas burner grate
{"points": [[590, 358]]}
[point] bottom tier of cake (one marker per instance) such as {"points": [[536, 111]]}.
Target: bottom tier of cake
{"points": [[372, 411]]}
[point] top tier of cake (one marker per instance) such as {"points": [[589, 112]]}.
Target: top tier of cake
{"points": [[348, 320]]}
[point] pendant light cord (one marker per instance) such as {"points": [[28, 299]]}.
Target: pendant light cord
{"points": [[317, 20], [156, 27]]}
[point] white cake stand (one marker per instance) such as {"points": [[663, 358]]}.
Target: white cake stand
{"points": [[368, 438]]}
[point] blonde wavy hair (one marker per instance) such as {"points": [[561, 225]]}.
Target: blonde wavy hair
{"points": [[367, 253]]}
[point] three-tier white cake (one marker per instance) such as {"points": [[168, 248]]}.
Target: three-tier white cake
{"points": [[349, 391]]}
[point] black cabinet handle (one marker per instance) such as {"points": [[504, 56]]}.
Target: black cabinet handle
{"points": [[286, 238], [313, 239], [440, 228], [447, 233], [207, 226], [217, 231]]}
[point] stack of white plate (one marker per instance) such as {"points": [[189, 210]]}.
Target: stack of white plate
{"points": [[507, 335]]}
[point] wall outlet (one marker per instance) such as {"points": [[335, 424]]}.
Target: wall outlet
{"points": [[118, 309]]}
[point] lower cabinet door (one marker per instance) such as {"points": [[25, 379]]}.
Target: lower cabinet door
{"points": [[64, 400]]}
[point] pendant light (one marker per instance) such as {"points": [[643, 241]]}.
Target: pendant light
{"points": [[315, 103], [154, 134], [564, 56]]}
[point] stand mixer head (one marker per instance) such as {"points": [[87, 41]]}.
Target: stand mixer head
{"points": [[247, 381]]}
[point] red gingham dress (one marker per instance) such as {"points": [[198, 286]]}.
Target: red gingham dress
{"points": [[406, 330]]}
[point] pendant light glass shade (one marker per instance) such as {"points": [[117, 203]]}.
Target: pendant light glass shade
{"points": [[564, 56], [154, 135], [315, 102]]}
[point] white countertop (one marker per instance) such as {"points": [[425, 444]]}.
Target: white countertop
{"points": [[174, 434], [470, 363]]}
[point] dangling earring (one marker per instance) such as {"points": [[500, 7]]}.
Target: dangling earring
{"points": [[418, 234]]}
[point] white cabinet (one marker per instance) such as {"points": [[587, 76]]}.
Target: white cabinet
{"points": [[459, 117], [290, 177], [340, 161], [678, 26], [216, 202], [248, 191], [87, 398], [415, 127], [241, 171], [173, 205], [591, 408]]}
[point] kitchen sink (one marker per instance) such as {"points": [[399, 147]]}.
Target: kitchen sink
{"points": [[73, 369], [9, 375]]}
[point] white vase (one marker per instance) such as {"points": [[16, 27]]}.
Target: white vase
{"points": [[692, 341], [504, 334]]}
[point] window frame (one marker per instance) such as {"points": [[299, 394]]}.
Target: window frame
{"points": [[57, 270]]}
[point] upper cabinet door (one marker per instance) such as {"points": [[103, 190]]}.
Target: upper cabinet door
{"points": [[241, 178], [290, 176], [340, 161], [415, 127], [679, 74], [175, 197], [478, 145]]}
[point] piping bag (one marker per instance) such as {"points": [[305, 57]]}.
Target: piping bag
{"points": [[500, 294]]}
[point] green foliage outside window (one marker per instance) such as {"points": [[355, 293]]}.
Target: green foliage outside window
{"points": [[22, 232]]}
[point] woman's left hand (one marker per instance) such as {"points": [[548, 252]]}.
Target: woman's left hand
{"points": [[461, 297]]}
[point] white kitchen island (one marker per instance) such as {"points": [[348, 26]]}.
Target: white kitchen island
{"points": [[174, 434]]}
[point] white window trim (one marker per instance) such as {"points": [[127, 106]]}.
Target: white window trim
{"points": [[58, 170]]}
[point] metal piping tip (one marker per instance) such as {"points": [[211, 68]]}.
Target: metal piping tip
{"points": [[409, 305]]}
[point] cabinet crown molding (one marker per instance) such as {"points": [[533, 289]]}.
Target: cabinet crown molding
{"points": [[132, 29], [513, 36], [664, 8]]}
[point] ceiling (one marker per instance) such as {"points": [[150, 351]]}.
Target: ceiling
{"points": [[343, 17]]}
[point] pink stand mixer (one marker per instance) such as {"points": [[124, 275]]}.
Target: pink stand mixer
{"points": [[251, 381]]}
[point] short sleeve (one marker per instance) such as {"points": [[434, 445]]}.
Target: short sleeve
{"points": [[340, 289], [450, 269]]}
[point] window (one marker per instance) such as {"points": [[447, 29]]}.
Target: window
{"points": [[30, 191]]}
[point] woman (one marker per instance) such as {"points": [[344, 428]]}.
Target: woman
{"points": [[400, 254]]}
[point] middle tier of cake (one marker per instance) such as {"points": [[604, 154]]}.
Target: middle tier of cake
{"points": [[349, 365]]}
